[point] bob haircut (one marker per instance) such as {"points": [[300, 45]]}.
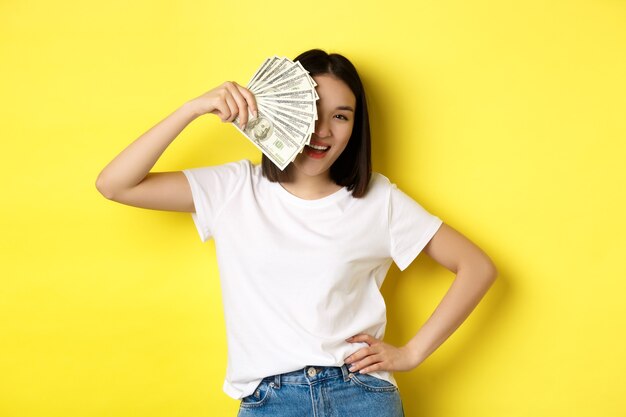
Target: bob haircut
{"points": [[353, 168]]}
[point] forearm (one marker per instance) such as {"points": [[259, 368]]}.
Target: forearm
{"points": [[132, 165], [469, 287]]}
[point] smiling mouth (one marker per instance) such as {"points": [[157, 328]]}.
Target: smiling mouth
{"points": [[318, 147], [316, 151]]}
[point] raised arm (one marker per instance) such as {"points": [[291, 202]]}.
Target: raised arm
{"points": [[127, 178]]}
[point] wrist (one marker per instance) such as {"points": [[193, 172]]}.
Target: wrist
{"points": [[192, 109], [415, 354]]}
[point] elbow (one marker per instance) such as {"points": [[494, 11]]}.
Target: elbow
{"points": [[482, 267], [104, 189], [491, 272], [488, 269]]}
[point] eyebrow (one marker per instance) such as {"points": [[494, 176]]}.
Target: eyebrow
{"points": [[345, 108]]}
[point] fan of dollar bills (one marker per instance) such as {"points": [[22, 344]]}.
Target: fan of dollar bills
{"points": [[286, 97]]}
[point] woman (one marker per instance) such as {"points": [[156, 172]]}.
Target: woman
{"points": [[302, 253]]}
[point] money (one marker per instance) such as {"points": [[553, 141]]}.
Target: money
{"points": [[287, 110]]}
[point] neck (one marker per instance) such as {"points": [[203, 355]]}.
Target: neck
{"points": [[309, 187]]}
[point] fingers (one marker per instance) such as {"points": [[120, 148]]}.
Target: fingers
{"points": [[366, 359], [222, 110], [239, 100], [229, 101], [362, 337], [249, 97], [233, 109], [369, 364], [236, 103], [362, 359], [361, 354]]}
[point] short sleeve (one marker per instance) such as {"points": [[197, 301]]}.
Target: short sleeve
{"points": [[211, 189], [410, 226]]}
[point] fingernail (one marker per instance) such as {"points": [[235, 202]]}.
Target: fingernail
{"points": [[351, 368], [243, 127]]}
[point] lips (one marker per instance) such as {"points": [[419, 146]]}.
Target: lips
{"points": [[319, 147], [315, 150]]}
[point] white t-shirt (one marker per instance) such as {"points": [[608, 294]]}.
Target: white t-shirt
{"points": [[298, 277]]}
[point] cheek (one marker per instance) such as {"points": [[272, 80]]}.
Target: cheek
{"points": [[340, 148], [344, 136]]}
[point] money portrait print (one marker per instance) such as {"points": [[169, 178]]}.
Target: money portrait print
{"points": [[260, 129]]}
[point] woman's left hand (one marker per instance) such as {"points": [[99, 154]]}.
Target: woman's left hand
{"points": [[379, 356]]}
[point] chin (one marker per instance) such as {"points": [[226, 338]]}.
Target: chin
{"points": [[312, 168]]}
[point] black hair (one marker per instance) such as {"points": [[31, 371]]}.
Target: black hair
{"points": [[353, 168]]}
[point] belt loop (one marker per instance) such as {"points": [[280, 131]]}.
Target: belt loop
{"points": [[345, 373], [276, 381]]}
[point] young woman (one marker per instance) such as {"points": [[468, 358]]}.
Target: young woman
{"points": [[303, 252]]}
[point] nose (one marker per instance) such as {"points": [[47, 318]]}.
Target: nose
{"points": [[322, 130]]}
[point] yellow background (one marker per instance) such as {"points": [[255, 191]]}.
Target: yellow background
{"points": [[506, 119]]}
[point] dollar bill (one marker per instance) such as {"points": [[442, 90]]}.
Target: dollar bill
{"points": [[272, 140], [305, 95], [287, 109]]}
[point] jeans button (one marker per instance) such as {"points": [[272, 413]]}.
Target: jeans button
{"points": [[312, 372]]}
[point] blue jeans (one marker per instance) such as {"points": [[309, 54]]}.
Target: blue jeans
{"points": [[317, 391]]}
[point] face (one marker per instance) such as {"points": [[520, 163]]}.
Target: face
{"points": [[335, 113], [261, 129]]}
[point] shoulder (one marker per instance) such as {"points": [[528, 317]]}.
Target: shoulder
{"points": [[379, 180], [231, 174], [383, 189], [241, 166], [379, 186]]}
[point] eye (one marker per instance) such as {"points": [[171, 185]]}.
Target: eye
{"points": [[341, 117]]}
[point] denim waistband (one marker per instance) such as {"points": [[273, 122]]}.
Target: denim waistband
{"points": [[311, 374]]}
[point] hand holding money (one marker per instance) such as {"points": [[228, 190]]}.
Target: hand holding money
{"points": [[287, 110], [228, 101]]}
